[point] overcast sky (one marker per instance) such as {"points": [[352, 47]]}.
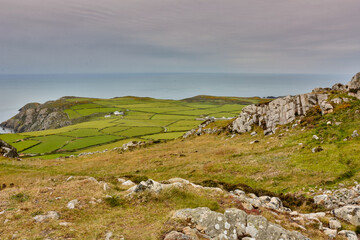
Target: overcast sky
{"points": [[107, 36]]}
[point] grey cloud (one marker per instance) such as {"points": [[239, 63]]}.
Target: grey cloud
{"points": [[181, 36]]}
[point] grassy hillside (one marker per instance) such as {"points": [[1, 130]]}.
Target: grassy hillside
{"points": [[143, 119], [281, 163]]}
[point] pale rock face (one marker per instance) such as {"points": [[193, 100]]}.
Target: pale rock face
{"points": [[354, 86], [279, 112]]}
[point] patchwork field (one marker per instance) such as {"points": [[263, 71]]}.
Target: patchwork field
{"points": [[107, 123]]}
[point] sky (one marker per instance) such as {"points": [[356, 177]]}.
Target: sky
{"points": [[139, 36]]}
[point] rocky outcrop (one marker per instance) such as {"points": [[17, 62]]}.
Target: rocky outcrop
{"points": [[279, 112], [36, 117], [284, 110], [7, 150], [233, 224], [353, 87]]}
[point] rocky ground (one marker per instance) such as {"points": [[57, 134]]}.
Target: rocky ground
{"points": [[56, 209]]}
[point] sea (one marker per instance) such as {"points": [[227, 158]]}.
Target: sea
{"points": [[17, 90]]}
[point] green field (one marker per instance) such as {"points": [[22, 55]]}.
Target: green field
{"points": [[142, 118]]}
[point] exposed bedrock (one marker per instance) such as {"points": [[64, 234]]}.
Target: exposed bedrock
{"points": [[284, 110]]}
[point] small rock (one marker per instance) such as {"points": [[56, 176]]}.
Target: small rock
{"points": [[128, 183], [108, 235], [328, 123], [331, 233], [253, 134], [315, 137], [334, 224], [350, 235], [317, 149], [92, 179], [65, 224], [106, 187], [355, 134], [69, 178], [121, 180], [72, 204], [256, 141]]}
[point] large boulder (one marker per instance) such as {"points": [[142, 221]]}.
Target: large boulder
{"points": [[354, 86], [7, 150], [233, 224], [350, 213]]}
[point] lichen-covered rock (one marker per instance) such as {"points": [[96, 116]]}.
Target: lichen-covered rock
{"points": [[349, 235], [234, 224], [7, 150], [278, 112], [354, 86], [350, 213], [49, 215]]}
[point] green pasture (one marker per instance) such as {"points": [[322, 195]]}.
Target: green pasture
{"points": [[144, 118]]}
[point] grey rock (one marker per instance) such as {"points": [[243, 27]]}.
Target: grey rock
{"points": [[354, 86], [36, 117], [331, 233], [234, 224], [350, 213], [6, 150], [355, 134], [50, 215], [321, 199], [315, 137], [278, 112], [338, 87], [350, 235], [72, 204], [334, 224]]}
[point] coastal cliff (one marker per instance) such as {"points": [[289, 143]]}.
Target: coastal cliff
{"points": [[285, 110], [36, 117]]}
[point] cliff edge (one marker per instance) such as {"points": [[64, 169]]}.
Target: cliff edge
{"points": [[36, 117]]}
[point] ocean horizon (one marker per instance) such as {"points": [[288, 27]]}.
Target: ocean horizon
{"points": [[18, 90]]}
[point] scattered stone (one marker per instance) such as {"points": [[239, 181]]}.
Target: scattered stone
{"points": [[69, 178], [350, 235], [65, 224], [355, 134], [93, 179], [108, 235], [256, 141], [331, 233], [106, 187], [315, 137], [317, 149], [72, 204], [49, 215], [253, 134], [121, 180], [128, 183], [334, 224], [320, 199]]}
